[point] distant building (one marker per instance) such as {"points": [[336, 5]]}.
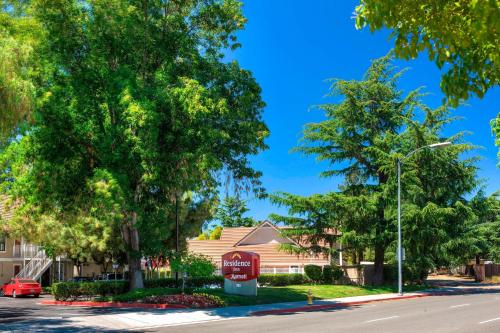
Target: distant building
{"points": [[265, 239]]}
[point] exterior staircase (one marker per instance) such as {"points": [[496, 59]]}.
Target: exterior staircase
{"points": [[37, 265]]}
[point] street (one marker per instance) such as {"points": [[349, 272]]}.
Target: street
{"points": [[478, 312], [459, 313]]}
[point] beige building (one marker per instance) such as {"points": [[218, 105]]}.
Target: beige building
{"points": [[265, 239], [25, 260]]}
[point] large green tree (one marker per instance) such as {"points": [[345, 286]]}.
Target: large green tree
{"points": [[139, 94], [363, 136], [435, 183], [359, 133]]}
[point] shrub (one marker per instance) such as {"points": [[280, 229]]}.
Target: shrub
{"points": [[277, 280], [314, 272], [196, 300], [205, 281], [63, 291], [194, 265], [332, 273], [193, 282]]}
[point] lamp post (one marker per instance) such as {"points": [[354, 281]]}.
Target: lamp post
{"points": [[400, 252]]}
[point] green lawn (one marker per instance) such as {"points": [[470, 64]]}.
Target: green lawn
{"points": [[270, 294]]}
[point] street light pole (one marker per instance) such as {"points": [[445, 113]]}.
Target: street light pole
{"points": [[400, 249], [400, 261]]}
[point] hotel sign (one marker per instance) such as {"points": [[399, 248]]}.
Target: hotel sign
{"points": [[240, 266]]}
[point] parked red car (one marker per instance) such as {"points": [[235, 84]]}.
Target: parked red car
{"points": [[17, 287]]}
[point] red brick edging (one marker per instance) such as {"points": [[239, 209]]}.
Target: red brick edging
{"points": [[329, 306], [115, 304]]}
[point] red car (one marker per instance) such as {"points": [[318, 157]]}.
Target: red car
{"points": [[17, 287]]}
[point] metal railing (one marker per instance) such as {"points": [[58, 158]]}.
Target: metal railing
{"points": [[26, 251], [35, 267]]}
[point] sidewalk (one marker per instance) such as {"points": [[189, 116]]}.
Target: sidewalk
{"points": [[138, 320]]}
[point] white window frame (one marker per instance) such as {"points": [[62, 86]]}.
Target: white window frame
{"points": [[3, 239]]}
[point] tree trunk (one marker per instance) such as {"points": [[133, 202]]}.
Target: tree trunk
{"points": [[378, 269], [131, 237]]}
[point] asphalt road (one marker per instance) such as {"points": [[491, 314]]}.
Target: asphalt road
{"points": [[25, 314], [451, 313], [457, 313]]}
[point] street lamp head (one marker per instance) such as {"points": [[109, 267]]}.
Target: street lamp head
{"points": [[440, 144]]}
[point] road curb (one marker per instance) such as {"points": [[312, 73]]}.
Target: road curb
{"points": [[115, 304], [329, 306]]}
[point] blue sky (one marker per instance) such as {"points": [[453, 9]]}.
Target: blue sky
{"points": [[292, 47]]}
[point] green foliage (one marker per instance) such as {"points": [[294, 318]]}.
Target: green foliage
{"points": [[277, 280], [138, 109], [485, 228], [461, 36], [332, 273], [313, 272], [230, 213], [495, 126], [364, 135], [358, 139], [191, 282], [194, 265], [64, 291], [216, 233], [20, 69]]}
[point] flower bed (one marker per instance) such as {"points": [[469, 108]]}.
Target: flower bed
{"points": [[196, 300]]}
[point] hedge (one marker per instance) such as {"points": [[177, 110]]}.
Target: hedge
{"points": [[193, 282], [276, 280], [332, 274], [314, 272], [63, 291]]}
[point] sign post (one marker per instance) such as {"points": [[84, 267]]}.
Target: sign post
{"points": [[240, 270]]}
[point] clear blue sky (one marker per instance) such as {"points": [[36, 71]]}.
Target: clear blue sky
{"points": [[292, 47]]}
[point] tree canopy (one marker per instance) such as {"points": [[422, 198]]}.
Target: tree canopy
{"points": [[139, 101], [364, 134], [460, 36]]}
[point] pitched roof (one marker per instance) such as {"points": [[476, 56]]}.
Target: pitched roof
{"points": [[234, 239]]}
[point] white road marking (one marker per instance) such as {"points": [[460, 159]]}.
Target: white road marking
{"points": [[459, 305], [490, 320], [385, 318]]}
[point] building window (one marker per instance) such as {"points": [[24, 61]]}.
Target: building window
{"points": [[2, 243], [294, 269]]}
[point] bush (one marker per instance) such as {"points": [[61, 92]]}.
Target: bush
{"points": [[196, 300], [313, 272], [194, 265], [193, 282], [332, 273], [205, 281], [277, 280], [63, 291]]}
